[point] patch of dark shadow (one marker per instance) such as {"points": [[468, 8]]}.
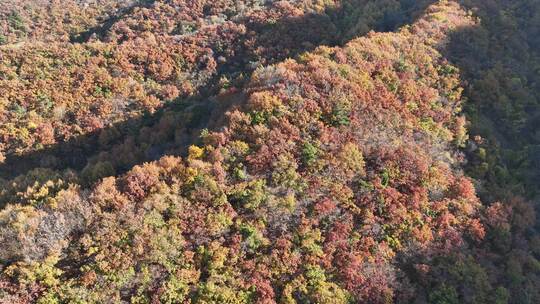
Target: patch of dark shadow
{"points": [[498, 61], [100, 31], [356, 18]]}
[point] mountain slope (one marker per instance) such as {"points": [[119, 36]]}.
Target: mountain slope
{"points": [[344, 159], [335, 176]]}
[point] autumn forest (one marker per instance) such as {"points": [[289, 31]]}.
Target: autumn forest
{"points": [[261, 151]]}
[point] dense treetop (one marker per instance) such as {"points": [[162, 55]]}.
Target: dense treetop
{"points": [[246, 152]]}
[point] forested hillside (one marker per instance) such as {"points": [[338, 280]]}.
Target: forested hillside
{"points": [[339, 151]]}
